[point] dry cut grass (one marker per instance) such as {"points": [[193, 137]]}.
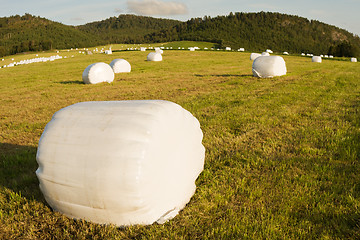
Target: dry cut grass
{"points": [[282, 154]]}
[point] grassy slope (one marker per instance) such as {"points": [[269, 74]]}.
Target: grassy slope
{"points": [[282, 154]]}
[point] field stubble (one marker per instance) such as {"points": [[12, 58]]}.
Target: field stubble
{"points": [[282, 154]]}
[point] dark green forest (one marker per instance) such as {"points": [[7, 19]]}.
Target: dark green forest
{"points": [[252, 31]]}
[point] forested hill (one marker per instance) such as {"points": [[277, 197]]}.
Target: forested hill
{"points": [[127, 28], [30, 33], [252, 31], [259, 31]]}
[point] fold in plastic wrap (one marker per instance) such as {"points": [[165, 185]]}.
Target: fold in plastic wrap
{"points": [[97, 73], [120, 162], [268, 66]]}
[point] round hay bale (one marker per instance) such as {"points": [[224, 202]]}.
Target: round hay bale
{"points": [[120, 162], [253, 56], [97, 73], [353, 59], [265, 54], [120, 66], [154, 56], [268, 66], [316, 59]]}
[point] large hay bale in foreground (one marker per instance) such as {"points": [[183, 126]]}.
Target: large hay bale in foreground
{"points": [[268, 66], [120, 162], [316, 59], [120, 65], [97, 73], [154, 56]]}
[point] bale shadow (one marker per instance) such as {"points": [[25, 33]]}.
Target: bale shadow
{"points": [[17, 170], [224, 75], [72, 82]]}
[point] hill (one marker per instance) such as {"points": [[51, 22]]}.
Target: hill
{"points": [[259, 31], [31, 33], [252, 31], [127, 28]]}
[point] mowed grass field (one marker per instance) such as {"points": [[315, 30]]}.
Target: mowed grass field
{"points": [[282, 154]]}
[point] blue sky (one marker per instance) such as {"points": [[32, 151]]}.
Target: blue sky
{"points": [[343, 14]]}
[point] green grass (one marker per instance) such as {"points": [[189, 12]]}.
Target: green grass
{"points": [[282, 154]]}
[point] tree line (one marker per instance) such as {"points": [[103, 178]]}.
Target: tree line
{"points": [[252, 31]]}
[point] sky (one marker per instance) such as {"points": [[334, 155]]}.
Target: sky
{"points": [[344, 14]]}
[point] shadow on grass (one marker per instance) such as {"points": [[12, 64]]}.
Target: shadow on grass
{"points": [[72, 82], [224, 75], [17, 170]]}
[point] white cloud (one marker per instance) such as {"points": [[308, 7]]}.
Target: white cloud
{"points": [[156, 7]]}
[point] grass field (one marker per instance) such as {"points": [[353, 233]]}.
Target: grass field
{"points": [[282, 154]]}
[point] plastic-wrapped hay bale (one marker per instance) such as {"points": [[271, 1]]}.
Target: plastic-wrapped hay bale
{"points": [[253, 56], [120, 65], [120, 162], [353, 59], [316, 59], [154, 56], [265, 54], [97, 73], [269, 66]]}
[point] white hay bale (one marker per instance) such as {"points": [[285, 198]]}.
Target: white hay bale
{"points": [[97, 73], [303, 54], [241, 49], [316, 59], [253, 56], [120, 162], [265, 54], [331, 56], [353, 59], [228, 48], [159, 50], [143, 49], [269, 51], [269, 66], [285, 53], [120, 65], [154, 56], [192, 49]]}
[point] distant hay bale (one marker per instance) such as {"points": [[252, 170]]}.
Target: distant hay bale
{"points": [[269, 51], [154, 56], [316, 59], [302, 54], [285, 53], [241, 50], [120, 66], [192, 49], [253, 56], [97, 73], [268, 66], [228, 48], [265, 54], [353, 59]]}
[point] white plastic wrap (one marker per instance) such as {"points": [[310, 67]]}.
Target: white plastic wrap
{"points": [[316, 59], [265, 54], [120, 66], [97, 73], [269, 66], [253, 56], [154, 56], [120, 162], [353, 59]]}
